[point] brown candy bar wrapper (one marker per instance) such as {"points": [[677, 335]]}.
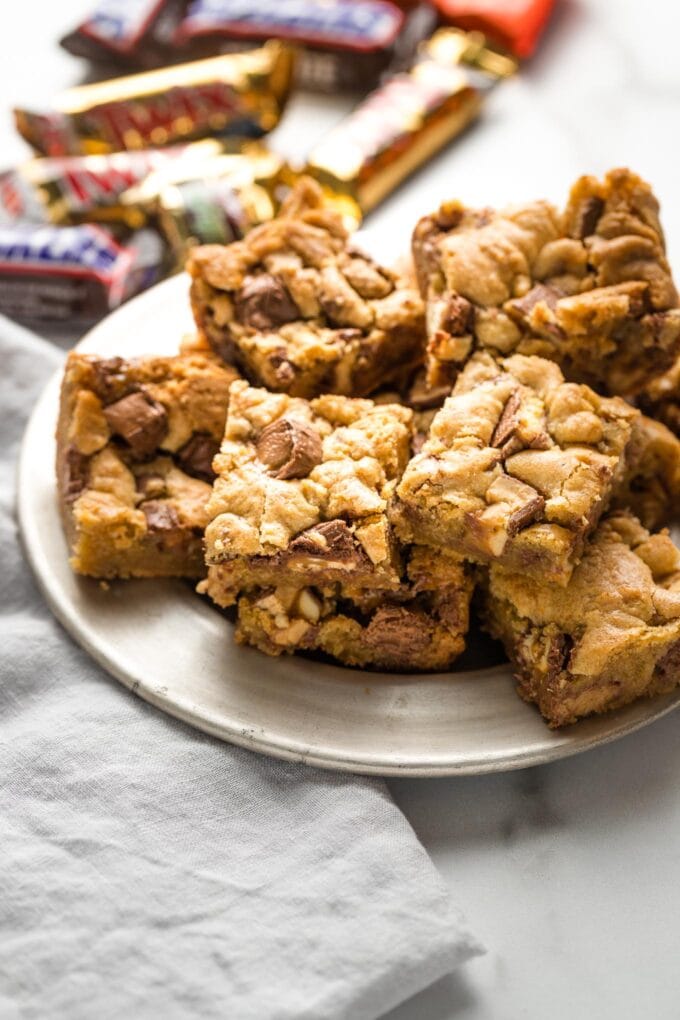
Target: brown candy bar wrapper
{"points": [[400, 125], [340, 44], [240, 94], [78, 189], [128, 32]]}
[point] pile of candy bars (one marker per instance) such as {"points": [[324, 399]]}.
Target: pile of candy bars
{"points": [[132, 171]]}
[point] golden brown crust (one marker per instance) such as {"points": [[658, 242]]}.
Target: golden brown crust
{"points": [[590, 289], [517, 467], [611, 636], [135, 442], [301, 310]]}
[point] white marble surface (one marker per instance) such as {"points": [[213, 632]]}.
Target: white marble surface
{"points": [[569, 872]]}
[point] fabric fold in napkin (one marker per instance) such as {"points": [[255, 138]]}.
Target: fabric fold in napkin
{"points": [[150, 871]]}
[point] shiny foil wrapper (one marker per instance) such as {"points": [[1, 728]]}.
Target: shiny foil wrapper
{"points": [[78, 189], [241, 94], [212, 200], [405, 121]]}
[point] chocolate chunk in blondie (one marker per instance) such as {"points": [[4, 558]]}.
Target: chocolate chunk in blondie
{"points": [[611, 636], [302, 492], [302, 311], [517, 467], [589, 288], [650, 486], [135, 442], [419, 626]]}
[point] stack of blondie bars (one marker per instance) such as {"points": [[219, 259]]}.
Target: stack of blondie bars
{"points": [[357, 458]]}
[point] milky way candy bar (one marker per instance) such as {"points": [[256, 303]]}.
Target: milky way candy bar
{"points": [[340, 43], [235, 94], [72, 274], [76, 189], [400, 125], [133, 32]]}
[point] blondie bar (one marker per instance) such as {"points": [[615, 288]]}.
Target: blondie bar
{"points": [[135, 442], [589, 288], [611, 636], [650, 486], [517, 467], [661, 398], [419, 626], [300, 310], [302, 491]]}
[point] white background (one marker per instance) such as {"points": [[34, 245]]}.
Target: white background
{"points": [[570, 873]]}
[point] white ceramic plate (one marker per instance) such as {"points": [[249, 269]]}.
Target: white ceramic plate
{"points": [[173, 649]]}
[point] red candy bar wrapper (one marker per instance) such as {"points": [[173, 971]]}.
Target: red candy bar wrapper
{"points": [[77, 189], [238, 94], [514, 24], [341, 44], [137, 32], [73, 275]]}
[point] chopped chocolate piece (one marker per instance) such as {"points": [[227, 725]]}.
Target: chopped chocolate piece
{"points": [[588, 216], [140, 420], [397, 634], [196, 456], [264, 303], [508, 421], [160, 516], [289, 448], [75, 471], [459, 316], [328, 540]]}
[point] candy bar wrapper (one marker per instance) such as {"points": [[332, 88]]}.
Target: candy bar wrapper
{"points": [[73, 275], [213, 201], [341, 44], [406, 120], [516, 25], [78, 189], [136, 33], [239, 94]]}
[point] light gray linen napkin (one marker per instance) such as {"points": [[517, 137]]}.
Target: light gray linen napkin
{"points": [[152, 872]]}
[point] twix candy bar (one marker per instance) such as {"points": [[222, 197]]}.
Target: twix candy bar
{"points": [[77, 189], [235, 94], [400, 125]]}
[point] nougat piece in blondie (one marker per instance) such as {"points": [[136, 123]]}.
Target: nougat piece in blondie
{"points": [[135, 442], [517, 467], [589, 288], [650, 486], [611, 636], [302, 491], [419, 626], [300, 310]]}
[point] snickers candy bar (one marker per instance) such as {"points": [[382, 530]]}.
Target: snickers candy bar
{"points": [[132, 32], [238, 94], [342, 44], [76, 274], [405, 121]]}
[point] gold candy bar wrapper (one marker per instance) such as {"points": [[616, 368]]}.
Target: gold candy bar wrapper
{"points": [[405, 121], [209, 201], [241, 94]]}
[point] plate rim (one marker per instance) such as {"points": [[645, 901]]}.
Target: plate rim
{"points": [[274, 745]]}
